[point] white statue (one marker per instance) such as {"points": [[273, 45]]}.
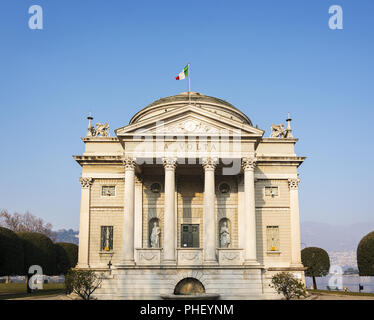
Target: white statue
{"points": [[224, 235], [277, 131], [155, 236], [102, 129]]}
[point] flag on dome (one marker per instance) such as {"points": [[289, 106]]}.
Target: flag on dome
{"points": [[183, 74]]}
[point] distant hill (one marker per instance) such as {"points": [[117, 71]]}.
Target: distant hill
{"points": [[334, 238], [64, 235]]}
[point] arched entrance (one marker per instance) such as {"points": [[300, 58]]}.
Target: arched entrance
{"points": [[189, 286]]}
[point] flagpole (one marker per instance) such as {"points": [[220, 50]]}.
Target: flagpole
{"points": [[189, 74], [189, 82]]}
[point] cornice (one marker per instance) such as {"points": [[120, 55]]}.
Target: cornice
{"points": [[99, 139]]}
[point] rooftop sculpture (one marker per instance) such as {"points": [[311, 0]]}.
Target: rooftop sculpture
{"points": [[278, 131], [101, 129]]}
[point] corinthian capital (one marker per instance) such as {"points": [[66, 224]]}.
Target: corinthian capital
{"points": [[293, 183], [86, 182], [129, 163], [169, 163], [249, 163], [210, 163]]}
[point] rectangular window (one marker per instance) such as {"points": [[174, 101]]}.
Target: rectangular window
{"points": [[272, 233], [108, 191], [271, 191], [190, 236], [106, 238]]}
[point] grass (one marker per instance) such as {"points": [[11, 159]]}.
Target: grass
{"points": [[341, 293], [18, 290]]}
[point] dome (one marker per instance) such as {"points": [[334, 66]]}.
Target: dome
{"points": [[212, 104]]}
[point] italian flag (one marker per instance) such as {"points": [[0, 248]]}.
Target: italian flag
{"points": [[183, 74]]}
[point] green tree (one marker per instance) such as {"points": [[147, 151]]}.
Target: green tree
{"points": [[11, 253], [66, 255], [38, 250], [317, 262], [82, 282], [285, 283], [365, 255]]}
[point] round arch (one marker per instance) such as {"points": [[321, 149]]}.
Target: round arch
{"points": [[189, 286]]}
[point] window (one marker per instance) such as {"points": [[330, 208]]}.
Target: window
{"points": [[272, 233], [271, 191], [108, 191], [106, 238], [190, 236]]}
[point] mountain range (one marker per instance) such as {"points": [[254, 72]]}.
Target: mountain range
{"points": [[334, 237]]}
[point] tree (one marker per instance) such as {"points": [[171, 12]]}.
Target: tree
{"points": [[365, 255], [82, 282], [26, 222], [317, 262], [11, 253], [38, 250], [285, 283], [66, 255]]}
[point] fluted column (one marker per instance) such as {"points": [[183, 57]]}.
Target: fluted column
{"points": [[138, 213], [295, 222], [169, 211], [84, 223], [128, 213], [209, 165], [250, 248]]}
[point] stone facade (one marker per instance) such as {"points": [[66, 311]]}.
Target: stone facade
{"points": [[189, 164]]}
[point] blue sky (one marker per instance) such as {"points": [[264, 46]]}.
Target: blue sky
{"points": [[114, 57]]}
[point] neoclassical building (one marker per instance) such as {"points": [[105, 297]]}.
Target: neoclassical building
{"points": [[189, 196]]}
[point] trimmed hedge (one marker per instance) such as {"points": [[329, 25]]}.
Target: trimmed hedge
{"points": [[11, 253], [66, 255], [365, 255], [38, 250], [316, 260]]}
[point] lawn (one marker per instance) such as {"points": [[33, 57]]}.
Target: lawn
{"points": [[18, 290], [341, 293]]}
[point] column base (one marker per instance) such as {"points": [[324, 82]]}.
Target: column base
{"points": [[83, 266], [211, 262]]}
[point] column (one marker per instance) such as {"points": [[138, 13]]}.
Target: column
{"points": [[241, 212], [138, 211], [250, 247], [128, 213], [295, 222], [169, 211], [84, 223], [209, 166]]}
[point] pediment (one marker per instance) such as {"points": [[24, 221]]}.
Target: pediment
{"points": [[188, 120]]}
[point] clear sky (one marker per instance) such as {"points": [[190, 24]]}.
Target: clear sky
{"points": [[114, 57]]}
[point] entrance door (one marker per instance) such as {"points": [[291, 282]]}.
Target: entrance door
{"points": [[190, 236]]}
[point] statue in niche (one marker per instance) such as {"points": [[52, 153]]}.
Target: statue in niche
{"points": [[224, 235], [155, 236]]}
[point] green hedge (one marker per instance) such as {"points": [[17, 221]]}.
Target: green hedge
{"points": [[38, 250], [365, 255], [66, 255], [316, 260], [11, 253]]}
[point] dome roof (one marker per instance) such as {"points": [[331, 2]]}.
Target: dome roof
{"points": [[212, 104]]}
